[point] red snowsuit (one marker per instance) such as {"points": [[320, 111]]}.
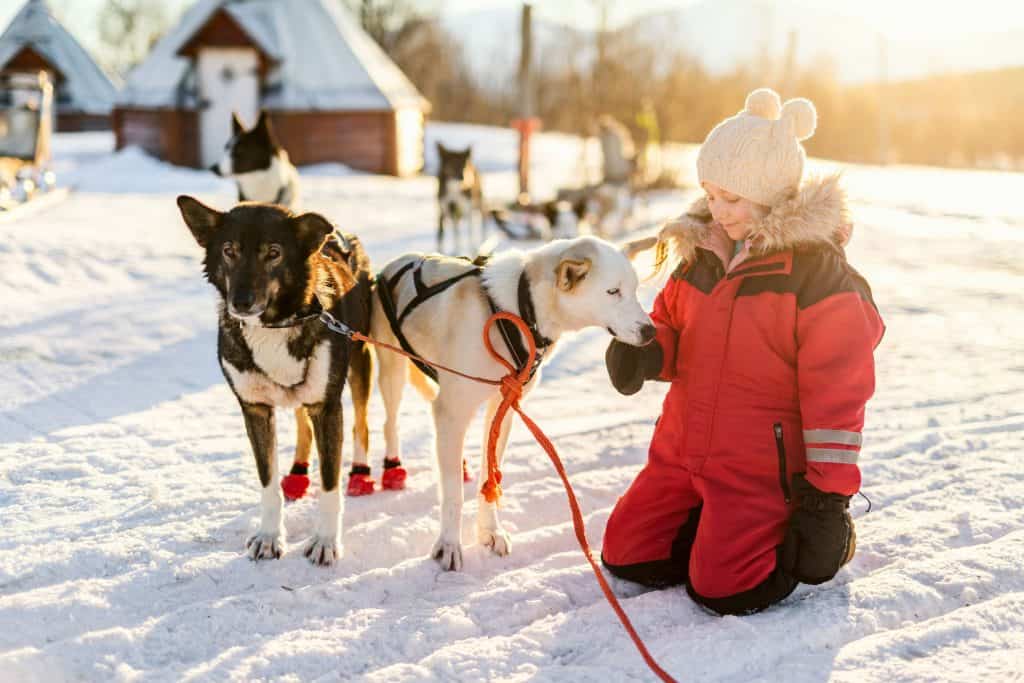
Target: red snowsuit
{"points": [[771, 364]]}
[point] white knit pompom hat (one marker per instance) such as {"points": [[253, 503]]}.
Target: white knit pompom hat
{"points": [[757, 153]]}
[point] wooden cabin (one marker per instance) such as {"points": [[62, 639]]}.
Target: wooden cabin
{"points": [[35, 41], [331, 92]]}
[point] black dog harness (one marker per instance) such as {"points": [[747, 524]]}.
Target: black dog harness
{"points": [[509, 333]]}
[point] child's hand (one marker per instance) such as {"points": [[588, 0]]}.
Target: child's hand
{"points": [[820, 538], [629, 366]]}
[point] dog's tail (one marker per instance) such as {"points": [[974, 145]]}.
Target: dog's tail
{"points": [[424, 386], [486, 250]]}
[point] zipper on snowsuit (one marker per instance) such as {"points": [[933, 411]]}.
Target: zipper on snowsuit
{"points": [[780, 447]]}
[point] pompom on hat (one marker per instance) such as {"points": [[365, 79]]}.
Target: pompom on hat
{"points": [[757, 154]]}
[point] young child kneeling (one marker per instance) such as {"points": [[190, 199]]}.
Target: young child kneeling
{"points": [[767, 335]]}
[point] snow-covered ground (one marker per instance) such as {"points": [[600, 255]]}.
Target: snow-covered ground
{"points": [[127, 488]]}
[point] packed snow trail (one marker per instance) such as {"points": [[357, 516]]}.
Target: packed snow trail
{"points": [[127, 488]]}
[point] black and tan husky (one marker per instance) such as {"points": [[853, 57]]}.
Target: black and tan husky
{"points": [[275, 272]]}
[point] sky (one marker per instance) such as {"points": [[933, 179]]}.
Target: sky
{"points": [[894, 18], [897, 19]]}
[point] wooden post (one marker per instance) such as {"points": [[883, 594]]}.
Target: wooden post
{"points": [[526, 123]]}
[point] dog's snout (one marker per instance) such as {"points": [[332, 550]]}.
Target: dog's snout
{"points": [[216, 168], [243, 301], [647, 333]]}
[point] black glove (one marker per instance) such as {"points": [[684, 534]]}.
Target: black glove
{"points": [[820, 538], [628, 365]]}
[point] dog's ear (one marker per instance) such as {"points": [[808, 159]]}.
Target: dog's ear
{"points": [[200, 219], [469, 152], [236, 124], [264, 126], [312, 230], [570, 272], [442, 151]]}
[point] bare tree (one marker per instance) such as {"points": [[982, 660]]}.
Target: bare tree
{"points": [[128, 29], [385, 20], [601, 67]]}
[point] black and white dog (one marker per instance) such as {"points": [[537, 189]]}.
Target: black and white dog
{"points": [[259, 165], [459, 196], [275, 273]]}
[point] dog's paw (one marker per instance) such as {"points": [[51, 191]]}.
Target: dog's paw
{"points": [[264, 546], [360, 485], [448, 555], [294, 486], [497, 540], [323, 552], [393, 478]]}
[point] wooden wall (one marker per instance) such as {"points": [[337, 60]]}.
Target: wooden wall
{"points": [[356, 139], [73, 122], [168, 134], [366, 141]]}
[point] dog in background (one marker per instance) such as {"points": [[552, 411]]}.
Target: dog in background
{"points": [[553, 219], [459, 197], [275, 273], [259, 165]]}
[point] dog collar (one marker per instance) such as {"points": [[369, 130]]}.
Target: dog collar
{"points": [[317, 310], [529, 314]]}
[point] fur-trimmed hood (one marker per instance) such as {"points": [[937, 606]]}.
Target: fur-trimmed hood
{"points": [[817, 213]]}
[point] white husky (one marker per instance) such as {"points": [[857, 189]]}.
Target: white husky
{"points": [[440, 306]]}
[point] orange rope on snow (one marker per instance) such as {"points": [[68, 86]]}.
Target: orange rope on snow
{"points": [[511, 391]]}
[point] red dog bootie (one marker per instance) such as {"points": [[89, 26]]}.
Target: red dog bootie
{"points": [[296, 483], [360, 483], [466, 476], [394, 475]]}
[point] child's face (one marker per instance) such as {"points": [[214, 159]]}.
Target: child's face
{"points": [[734, 213]]}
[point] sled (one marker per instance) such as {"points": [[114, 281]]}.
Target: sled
{"points": [[604, 209]]}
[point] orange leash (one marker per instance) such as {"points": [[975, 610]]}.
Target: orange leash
{"points": [[511, 391]]}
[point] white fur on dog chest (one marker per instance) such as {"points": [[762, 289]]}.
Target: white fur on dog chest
{"points": [[281, 380]]}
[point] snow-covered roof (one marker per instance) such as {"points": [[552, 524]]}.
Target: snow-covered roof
{"points": [[85, 88], [322, 59]]}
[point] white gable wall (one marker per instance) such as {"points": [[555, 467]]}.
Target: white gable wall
{"points": [[228, 82]]}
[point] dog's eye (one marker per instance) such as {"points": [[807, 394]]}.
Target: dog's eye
{"points": [[228, 250], [614, 291], [274, 252]]}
